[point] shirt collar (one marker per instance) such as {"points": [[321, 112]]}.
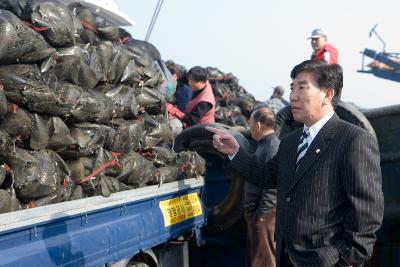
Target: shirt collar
{"points": [[316, 127]]}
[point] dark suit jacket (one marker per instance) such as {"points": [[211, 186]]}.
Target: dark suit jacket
{"points": [[331, 207], [260, 200]]}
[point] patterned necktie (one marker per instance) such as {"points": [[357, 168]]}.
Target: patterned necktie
{"points": [[303, 145]]}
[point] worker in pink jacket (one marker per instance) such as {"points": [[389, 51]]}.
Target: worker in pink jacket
{"points": [[201, 108]]}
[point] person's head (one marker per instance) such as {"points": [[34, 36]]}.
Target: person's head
{"points": [[278, 91], [246, 106], [262, 123], [315, 90], [197, 78], [124, 36], [318, 38], [178, 72], [172, 68], [124, 33]]}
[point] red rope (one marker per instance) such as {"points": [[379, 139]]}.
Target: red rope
{"points": [[66, 181], [71, 100], [7, 168], [34, 27], [29, 205], [72, 147], [147, 154], [12, 108], [18, 138], [113, 162], [124, 39], [88, 26], [184, 165]]}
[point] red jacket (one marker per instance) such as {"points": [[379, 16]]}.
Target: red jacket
{"points": [[205, 96], [332, 54]]}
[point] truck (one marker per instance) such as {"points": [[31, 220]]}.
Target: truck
{"points": [[160, 225], [146, 226], [149, 225]]}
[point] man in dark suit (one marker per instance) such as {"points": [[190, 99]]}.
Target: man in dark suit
{"points": [[328, 177]]}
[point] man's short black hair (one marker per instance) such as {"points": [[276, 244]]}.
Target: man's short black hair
{"points": [[198, 74], [326, 75], [265, 116]]}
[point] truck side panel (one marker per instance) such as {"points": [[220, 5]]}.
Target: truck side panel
{"points": [[97, 236]]}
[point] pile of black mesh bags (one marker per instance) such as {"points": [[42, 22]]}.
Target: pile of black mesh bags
{"points": [[82, 108]]}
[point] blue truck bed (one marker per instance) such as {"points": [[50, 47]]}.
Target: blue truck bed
{"points": [[98, 230]]}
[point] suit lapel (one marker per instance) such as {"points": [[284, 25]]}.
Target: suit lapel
{"points": [[317, 148]]}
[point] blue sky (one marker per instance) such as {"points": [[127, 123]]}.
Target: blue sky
{"points": [[260, 41]]}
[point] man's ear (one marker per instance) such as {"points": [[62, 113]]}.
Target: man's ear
{"points": [[330, 93], [258, 125]]}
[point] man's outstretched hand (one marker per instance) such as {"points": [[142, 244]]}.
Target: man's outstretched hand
{"points": [[223, 141]]}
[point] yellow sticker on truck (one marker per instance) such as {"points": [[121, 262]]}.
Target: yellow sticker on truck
{"points": [[181, 208]]}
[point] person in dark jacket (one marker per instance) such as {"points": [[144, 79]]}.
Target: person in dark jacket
{"points": [[260, 203], [183, 92]]}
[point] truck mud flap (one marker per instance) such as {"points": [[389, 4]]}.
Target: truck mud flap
{"points": [[346, 111], [229, 210]]}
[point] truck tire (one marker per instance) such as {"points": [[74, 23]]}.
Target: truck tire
{"points": [[224, 214], [145, 258], [137, 264], [346, 111]]}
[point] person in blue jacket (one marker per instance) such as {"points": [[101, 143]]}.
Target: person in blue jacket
{"points": [[183, 92]]}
